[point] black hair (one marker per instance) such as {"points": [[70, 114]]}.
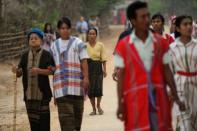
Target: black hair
{"points": [[94, 30], [48, 31], [178, 22], [158, 16], [133, 7], [64, 20]]}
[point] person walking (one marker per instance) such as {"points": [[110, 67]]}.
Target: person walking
{"points": [[97, 70], [82, 28], [143, 74], [183, 54], [49, 36], [35, 65], [158, 23], [70, 80]]}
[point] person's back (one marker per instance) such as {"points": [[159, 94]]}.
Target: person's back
{"points": [[92, 23], [82, 28]]}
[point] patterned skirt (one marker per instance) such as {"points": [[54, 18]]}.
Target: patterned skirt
{"points": [[38, 114], [95, 78], [70, 110]]}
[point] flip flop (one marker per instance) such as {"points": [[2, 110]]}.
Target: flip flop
{"points": [[92, 113], [100, 111]]}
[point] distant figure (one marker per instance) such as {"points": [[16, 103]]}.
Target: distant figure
{"points": [[49, 36], [128, 25], [82, 29], [157, 23], [97, 70], [123, 17], [94, 22], [172, 26], [194, 34], [115, 18]]}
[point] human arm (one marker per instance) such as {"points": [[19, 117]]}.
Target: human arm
{"points": [[120, 109], [84, 67], [49, 66], [104, 69], [168, 75]]}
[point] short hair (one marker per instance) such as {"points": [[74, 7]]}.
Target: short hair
{"points": [[133, 7], [179, 19], [178, 22], [64, 20], [94, 30], [158, 16]]}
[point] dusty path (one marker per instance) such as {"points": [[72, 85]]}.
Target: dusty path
{"points": [[106, 122]]}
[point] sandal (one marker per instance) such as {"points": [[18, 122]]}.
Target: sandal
{"points": [[100, 111], [92, 113]]}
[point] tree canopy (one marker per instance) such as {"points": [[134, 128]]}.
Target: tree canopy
{"points": [[20, 14], [174, 7]]}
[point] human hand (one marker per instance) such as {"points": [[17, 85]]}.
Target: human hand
{"points": [[181, 105], [120, 112], [34, 71], [104, 73], [85, 83], [14, 69]]}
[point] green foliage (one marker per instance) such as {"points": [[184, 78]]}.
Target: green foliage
{"points": [[53, 17], [195, 5], [155, 6], [95, 7], [177, 7], [34, 13]]}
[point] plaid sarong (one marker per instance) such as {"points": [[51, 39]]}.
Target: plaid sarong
{"points": [[70, 110]]}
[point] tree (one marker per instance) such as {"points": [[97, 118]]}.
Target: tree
{"points": [[101, 8], [174, 7], [1, 10], [155, 6], [24, 14]]}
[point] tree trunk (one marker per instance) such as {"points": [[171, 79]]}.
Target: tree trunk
{"points": [[1, 10], [1, 15], [72, 9], [105, 21]]}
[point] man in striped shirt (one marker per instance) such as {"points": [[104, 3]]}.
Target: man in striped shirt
{"points": [[70, 80]]}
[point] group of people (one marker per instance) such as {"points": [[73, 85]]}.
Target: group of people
{"points": [[82, 28], [156, 73], [67, 59]]}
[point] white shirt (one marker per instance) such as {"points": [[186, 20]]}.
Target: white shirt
{"points": [[183, 55], [63, 44]]}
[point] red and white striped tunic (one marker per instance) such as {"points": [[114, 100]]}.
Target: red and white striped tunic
{"points": [[184, 63]]}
